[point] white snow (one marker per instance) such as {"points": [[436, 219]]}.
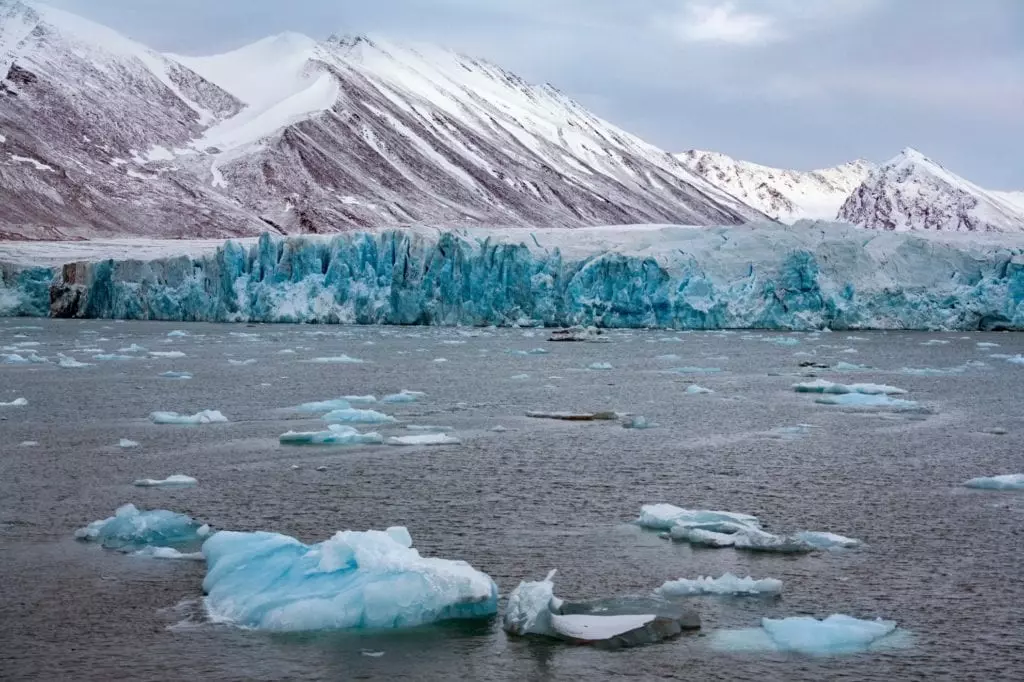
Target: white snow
{"points": [[39, 165]]}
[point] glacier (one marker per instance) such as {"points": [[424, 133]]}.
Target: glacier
{"points": [[807, 276], [354, 580]]}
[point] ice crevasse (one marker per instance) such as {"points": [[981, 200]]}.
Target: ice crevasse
{"points": [[807, 276]]}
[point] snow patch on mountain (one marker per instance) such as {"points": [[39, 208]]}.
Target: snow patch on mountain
{"points": [[786, 195]]}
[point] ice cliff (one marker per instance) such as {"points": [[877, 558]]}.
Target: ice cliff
{"points": [[809, 276]]}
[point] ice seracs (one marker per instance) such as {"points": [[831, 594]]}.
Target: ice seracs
{"points": [[354, 580]]}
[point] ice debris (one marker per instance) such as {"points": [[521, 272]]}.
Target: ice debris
{"points": [[336, 434], [728, 584], [579, 334], [125, 443], [866, 400], [337, 360], [532, 351], [113, 357], [519, 377], [600, 365], [178, 332], [204, 417], [134, 348], [324, 405], [986, 344], [694, 389], [823, 386], [665, 516], [850, 367], [68, 362], [696, 370], [242, 363], [168, 553], [355, 416], [1016, 359], [17, 402], [175, 481], [637, 422], [405, 396], [354, 580], [181, 376], [131, 529], [425, 439], [167, 354], [826, 540], [1002, 482], [837, 634]]}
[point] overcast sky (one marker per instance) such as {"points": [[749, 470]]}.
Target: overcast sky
{"points": [[792, 83]]}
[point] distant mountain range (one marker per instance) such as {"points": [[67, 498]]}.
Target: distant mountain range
{"points": [[102, 136]]}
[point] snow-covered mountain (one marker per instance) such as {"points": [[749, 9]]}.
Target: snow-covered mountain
{"points": [[100, 135], [913, 192], [786, 195]]}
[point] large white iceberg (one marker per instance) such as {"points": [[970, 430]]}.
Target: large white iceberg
{"points": [[131, 529], [727, 584], [1002, 482], [837, 634], [204, 417], [336, 434], [355, 580]]}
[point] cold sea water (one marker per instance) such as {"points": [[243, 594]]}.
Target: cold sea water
{"points": [[943, 560]]}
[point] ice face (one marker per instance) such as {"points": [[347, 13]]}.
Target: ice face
{"points": [[1003, 482], [204, 417], [336, 434], [727, 584], [355, 580], [130, 529], [823, 386], [353, 416], [809, 276], [837, 634]]}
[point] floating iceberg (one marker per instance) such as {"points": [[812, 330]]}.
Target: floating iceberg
{"points": [[134, 348], [1016, 359], [357, 399], [825, 540], [337, 360], [125, 443], [696, 370], [1003, 482], [532, 351], [355, 580], [866, 400], [425, 439], [130, 529], [837, 634], [204, 417], [112, 357], [178, 332], [181, 376], [168, 553], [352, 415], [175, 481], [405, 396], [694, 389], [17, 402], [637, 422], [336, 434], [728, 584], [69, 362], [242, 363], [533, 609], [823, 386], [167, 354], [324, 405], [665, 516], [600, 365]]}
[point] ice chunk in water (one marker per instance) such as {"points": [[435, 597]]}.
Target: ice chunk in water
{"points": [[69, 362], [178, 332], [130, 529], [405, 396], [823, 386], [168, 553], [371, 580], [727, 584], [1002, 482], [425, 439], [242, 363], [600, 365], [696, 370], [825, 540], [637, 422], [17, 402], [864, 400], [204, 417], [182, 376], [111, 357], [1016, 359], [337, 360], [694, 389], [175, 481], [168, 354], [125, 443], [324, 405], [353, 416], [665, 516], [134, 348], [336, 434], [837, 634]]}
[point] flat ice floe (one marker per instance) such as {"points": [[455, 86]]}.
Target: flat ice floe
{"points": [[866, 400], [425, 439], [131, 529], [826, 540], [637, 422], [175, 481], [728, 584], [68, 362], [181, 376], [204, 417], [337, 360], [694, 389], [336, 434], [354, 580], [600, 365], [324, 405], [823, 386], [352, 415], [125, 443], [405, 396], [1002, 482], [17, 402], [837, 634], [167, 354], [168, 553]]}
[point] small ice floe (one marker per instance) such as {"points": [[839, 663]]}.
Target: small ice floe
{"points": [[125, 443], [324, 405], [519, 377], [637, 422], [371, 653], [600, 365], [668, 358], [850, 367], [1002, 482], [986, 344], [499, 429], [175, 481], [935, 342], [68, 362], [181, 376], [866, 400], [823, 386], [134, 348], [336, 434], [856, 338], [574, 416], [825, 540], [425, 427], [783, 340], [167, 354], [405, 396], [579, 334], [168, 553], [242, 363], [357, 399], [533, 609], [439, 360], [835, 635], [131, 529], [28, 443], [694, 389], [337, 360], [424, 439], [113, 357], [352, 415], [287, 351], [532, 351], [790, 432], [1016, 359], [17, 402], [943, 371], [178, 333], [728, 584], [204, 417], [696, 370]]}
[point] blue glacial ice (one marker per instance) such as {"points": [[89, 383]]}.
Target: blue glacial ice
{"points": [[807, 276], [838, 634], [1002, 482], [728, 584], [1016, 359], [354, 580], [336, 434], [131, 529], [824, 386], [826, 540], [204, 417], [174, 481], [352, 415]]}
